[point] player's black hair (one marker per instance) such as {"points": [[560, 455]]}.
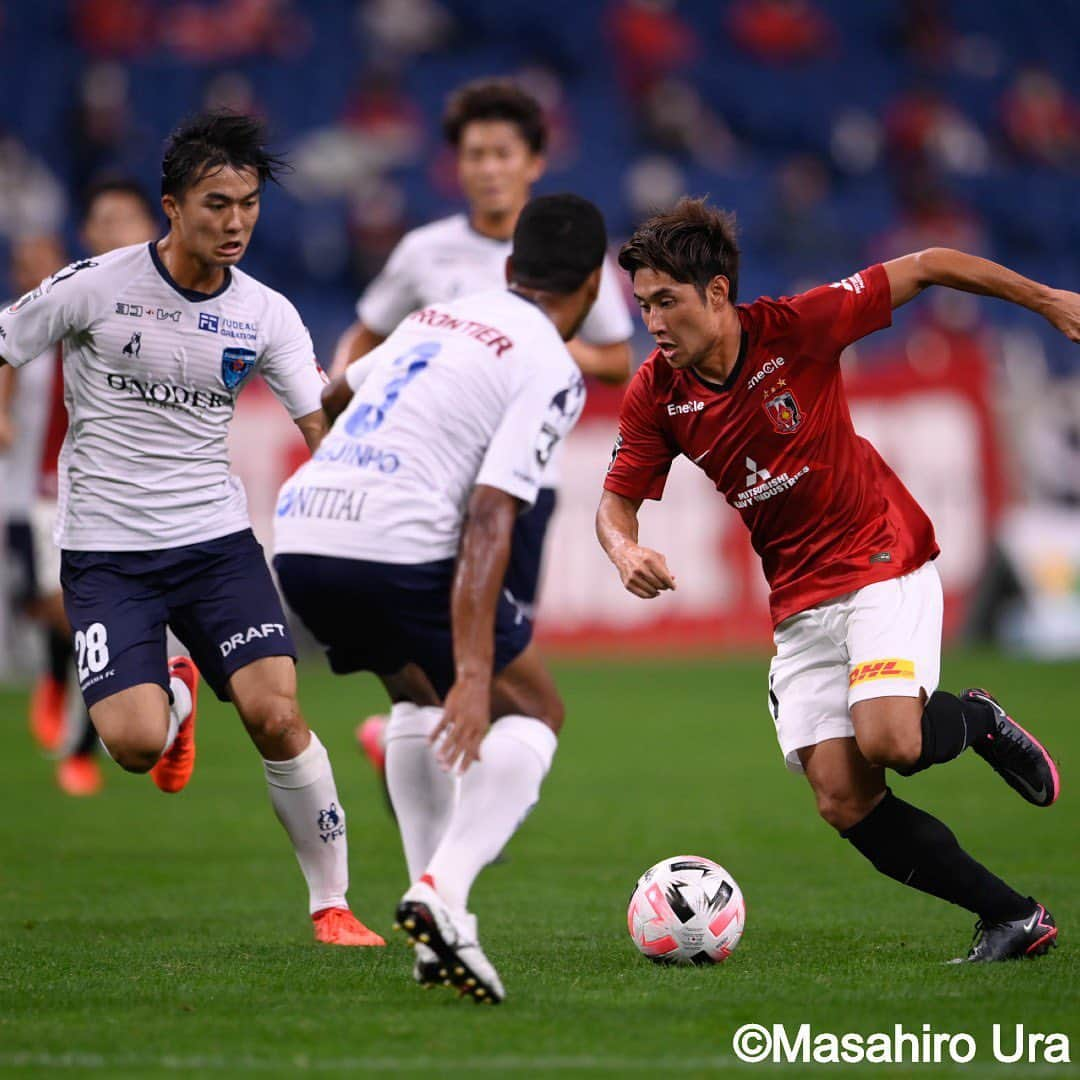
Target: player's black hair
{"points": [[692, 243], [495, 99], [559, 240], [115, 186], [213, 141]]}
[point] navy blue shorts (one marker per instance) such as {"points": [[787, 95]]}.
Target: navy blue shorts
{"points": [[527, 551], [22, 566], [217, 596], [378, 617]]}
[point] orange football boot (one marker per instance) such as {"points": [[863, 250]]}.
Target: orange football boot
{"points": [[339, 926], [370, 734], [47, 713], [79, 774], [174, 768]]}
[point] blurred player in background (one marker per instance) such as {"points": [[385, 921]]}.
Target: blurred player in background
{"points": [[499, 136], [392, 545], [32, 422], [753, 395], [116, 213], [158, 339]]}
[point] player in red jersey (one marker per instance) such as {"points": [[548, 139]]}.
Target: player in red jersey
{"points": [[752, 394]]}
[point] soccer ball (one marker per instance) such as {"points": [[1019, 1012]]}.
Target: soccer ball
{"points": [[686, 910]]}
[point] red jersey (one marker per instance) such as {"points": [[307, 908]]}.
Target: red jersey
{"points": [[825, 513]]}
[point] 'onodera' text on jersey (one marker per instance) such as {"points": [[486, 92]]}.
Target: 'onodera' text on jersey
{"points": [[825, 513], [151, 376], [477, 391]]}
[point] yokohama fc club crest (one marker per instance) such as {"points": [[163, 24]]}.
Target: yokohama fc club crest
{"points": [[784, 412], [236, 366]]}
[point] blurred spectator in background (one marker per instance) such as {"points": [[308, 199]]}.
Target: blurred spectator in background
{"points": [[923, 128], [32, 202], [780, 31], [801, 224], [650, 42], [1040, 119]]}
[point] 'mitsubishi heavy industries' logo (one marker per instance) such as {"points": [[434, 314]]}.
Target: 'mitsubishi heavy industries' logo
{"points": [[783, 408]]}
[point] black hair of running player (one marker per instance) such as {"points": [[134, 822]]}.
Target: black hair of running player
{"points": [[691, 243], [116, 186], [559, 240], [216, 140], [495, 99]]}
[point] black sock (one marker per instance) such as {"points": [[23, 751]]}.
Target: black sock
{"points": [[60, 654], [914, 848], [949, 727], [88, 741]]}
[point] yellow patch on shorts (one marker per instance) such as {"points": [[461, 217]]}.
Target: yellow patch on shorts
{"points": [[881, 669]]}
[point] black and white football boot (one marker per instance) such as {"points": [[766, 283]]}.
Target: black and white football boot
{"points": [[427, 920], [1032, 935], [428, 970], [1015, 754]]}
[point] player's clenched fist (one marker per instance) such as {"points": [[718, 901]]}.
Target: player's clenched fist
{"points": [[644, 572]]}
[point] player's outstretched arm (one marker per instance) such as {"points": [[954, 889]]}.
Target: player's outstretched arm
{"points": [[644, 572], [357, 341], [608, 363], [478, 578], [909, 275]]}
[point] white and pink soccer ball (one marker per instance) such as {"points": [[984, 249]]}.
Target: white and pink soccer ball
{"points": [[686, 910]]}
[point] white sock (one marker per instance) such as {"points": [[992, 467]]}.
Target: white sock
{"points": [[179, 709], [306, 802], [497, 792], [422, 794]]}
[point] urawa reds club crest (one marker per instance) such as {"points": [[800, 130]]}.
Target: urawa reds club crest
{"points": [[783, 408]]}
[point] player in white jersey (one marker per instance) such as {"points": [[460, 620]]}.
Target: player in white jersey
{"points": [[499, 136], [158, 341], [392, 544]]}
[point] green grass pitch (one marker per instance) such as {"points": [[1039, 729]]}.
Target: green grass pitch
{"points": [[143, 934]]}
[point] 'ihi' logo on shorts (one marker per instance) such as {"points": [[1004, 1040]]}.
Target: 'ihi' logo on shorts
{"points": [[881, 669]]}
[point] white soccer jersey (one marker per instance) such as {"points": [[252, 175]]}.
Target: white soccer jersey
{"points": [[476, 391], [448, 259], [151, 376]]}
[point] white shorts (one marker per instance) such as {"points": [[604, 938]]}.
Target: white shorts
{"points": [[883, 640]]}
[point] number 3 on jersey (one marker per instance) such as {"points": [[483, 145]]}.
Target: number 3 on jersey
{"points": [[91, 650], [368, 416]]}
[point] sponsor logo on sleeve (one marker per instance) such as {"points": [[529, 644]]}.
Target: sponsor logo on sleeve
{"points": [[71, 270], [877, 670], [854, 284], [26, 298], [562, 413], [615, 451], [236, 365]]}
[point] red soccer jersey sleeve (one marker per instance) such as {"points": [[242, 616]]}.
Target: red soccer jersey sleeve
{"points": [[835, 315], [643, 453]]}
